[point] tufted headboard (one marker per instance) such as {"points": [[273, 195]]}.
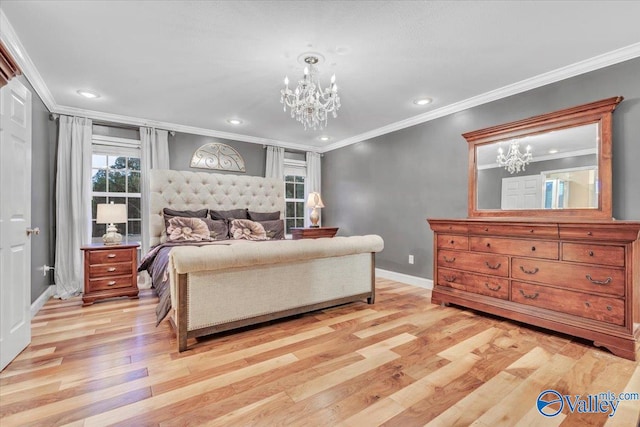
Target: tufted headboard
{"points": [[185, 190]]}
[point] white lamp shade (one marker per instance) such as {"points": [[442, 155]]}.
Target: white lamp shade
{"points": [[111, 214], [314, 200]]}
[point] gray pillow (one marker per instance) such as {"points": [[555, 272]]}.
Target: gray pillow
{"points": [[264, 216], [230, 214], [274, 229], [171, 213], [218, 228]]}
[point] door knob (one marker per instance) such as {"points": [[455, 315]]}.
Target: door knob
{"points": [[34, 230]]}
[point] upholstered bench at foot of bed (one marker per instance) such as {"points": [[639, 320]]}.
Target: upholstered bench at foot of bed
{"points": [[217, 288]]}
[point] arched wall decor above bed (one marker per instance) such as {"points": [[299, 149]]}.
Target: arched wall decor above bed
{"points": [[218, 156]]}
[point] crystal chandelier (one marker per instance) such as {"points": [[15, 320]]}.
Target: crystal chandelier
{"points": [[514, 161], [309, 103]]}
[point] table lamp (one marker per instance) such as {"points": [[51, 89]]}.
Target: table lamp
{"points": [[111, 214], [314, 202]]}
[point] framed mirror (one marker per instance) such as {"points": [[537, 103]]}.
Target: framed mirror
{"points": [[556, 164]]}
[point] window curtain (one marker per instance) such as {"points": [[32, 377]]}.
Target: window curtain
{"points": [[312, 182], [275, 163], [154, 154], [73, 203]]}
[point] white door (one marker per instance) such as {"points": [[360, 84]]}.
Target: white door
{"points": [[522, 192], [15, 218]]}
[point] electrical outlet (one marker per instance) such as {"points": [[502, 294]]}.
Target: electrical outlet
{"points": [[410, 259]]}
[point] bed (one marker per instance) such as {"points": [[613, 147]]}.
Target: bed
{"points": [[207, 286]]}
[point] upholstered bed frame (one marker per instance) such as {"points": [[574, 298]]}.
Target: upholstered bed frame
{"points": [[220, 287]]}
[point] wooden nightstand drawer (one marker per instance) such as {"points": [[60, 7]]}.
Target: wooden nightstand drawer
{"points": [[109, 256], [495, 265], [109, 283], [453, 241], [475, 283], [313, 233], [530, 248], [117, 269]]}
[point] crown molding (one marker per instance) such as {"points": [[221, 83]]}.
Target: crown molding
{"points": [[592, 64], [29, 70], [136, 121]]}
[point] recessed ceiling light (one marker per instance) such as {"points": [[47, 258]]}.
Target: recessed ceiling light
{"points": [[324, 138], [88, 94], [234, 121], [422, 101], [554, 151]]}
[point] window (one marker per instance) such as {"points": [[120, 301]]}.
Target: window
{"points": [[115, 176], [295, 174]]}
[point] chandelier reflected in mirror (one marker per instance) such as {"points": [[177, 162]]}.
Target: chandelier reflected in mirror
{"points": [[514, 161], [309, 103]]}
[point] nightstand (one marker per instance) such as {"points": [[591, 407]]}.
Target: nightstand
{"points": [[110, 271], [313, 233]]}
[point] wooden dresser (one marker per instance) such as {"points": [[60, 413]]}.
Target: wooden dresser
{"points": [[109, 271], [580, 277]]}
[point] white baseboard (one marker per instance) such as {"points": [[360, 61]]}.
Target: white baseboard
{"points": [[405, 278], [42, 299]]}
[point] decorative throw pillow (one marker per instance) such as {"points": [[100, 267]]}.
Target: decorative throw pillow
{"points": [[230, 214], [218, 229], [264, 216], [274, 229], [187, 229], [246, 229]]}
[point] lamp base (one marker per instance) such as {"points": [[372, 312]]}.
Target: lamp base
{"points": [[314, 217], [112, 237]]}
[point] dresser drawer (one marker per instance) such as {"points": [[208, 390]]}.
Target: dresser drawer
{"points": [[497, 229], [475, 283], [605, 309], [606, 232], [109, 283], [109, 256], [497, 265], [453, 241], [520, 247], [593, 254], [580, 277], [448, 227], [116, 269]]}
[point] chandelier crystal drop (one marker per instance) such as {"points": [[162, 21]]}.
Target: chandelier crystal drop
{"points": [[309, 103], [514, 161]]}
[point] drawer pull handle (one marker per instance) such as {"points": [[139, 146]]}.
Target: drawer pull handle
{"points": [[589, 233], [450, 228], [534, 271], [497, 288], [452, 242], [111, 256], [450, 279], [111, 283], [599, 282], [449, 260], [493, 267], [609, 308], [486, 229], [590, 253], [110, 269], [488, 245], [587, 304], [534, 296], [531, 231], [533, 248]]}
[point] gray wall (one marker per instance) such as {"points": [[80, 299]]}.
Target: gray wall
{"points": [[183, 145], [389, 185], [43, 160]]}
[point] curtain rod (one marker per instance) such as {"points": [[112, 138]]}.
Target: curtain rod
{"points": [[55, 116]]}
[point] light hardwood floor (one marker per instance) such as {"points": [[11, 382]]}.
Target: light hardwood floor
{"points": [[400, 362]]}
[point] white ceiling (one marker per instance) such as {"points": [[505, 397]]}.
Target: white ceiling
{"points": [[191, 65]]}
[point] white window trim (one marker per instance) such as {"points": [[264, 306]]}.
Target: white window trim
{"points": [[296, 168]]}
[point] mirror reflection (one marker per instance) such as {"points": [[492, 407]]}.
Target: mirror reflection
{"points": [[551, 170]]}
